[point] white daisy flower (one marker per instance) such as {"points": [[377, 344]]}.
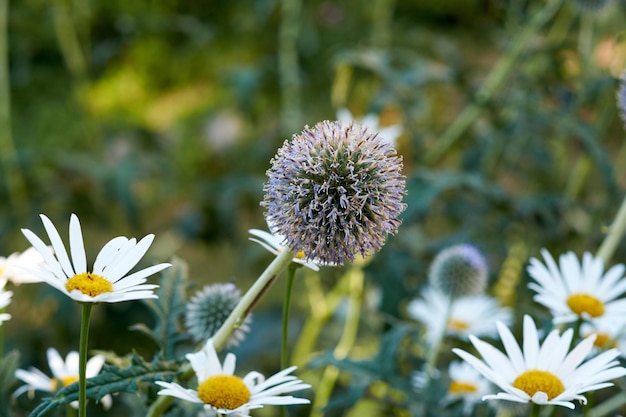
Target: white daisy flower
{"points": [[108, 280], [15, 267], [466, 384], [474, 314], [547, 373], [65, 372], [274, 244], [573, 290], [223, 392], [5, 300], [609, 333], [371, 121]]}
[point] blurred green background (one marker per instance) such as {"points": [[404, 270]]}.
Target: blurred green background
{"points": [[162, 116]]}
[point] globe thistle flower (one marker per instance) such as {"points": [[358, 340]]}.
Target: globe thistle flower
{"points": [[5, 300], [475, 314], [108, 281], [546, 374], [573, 290], [371, 121], [209, 308], [17, 266], [221, 391], [64, 373], [334, 191], [458, 271]]}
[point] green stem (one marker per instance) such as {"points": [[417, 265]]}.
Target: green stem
{"points": [[492, 83], [82, 360], [284, 337], [616, 230], [247, 302], [348, 337], [535, 410], [435, 349], [260, 286], [13, 176], [288, 66], [609, 406]]}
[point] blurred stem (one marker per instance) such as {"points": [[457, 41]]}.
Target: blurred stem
{"points": [[348, 337], [492, 83], [535, 410], [585, 44], [382, 17], [321, 310], [15, 182], [616, 230], [433, 354], [82, 360], [284, 341], [236, 317], [609, 406], [69, 43], [288, 66]]}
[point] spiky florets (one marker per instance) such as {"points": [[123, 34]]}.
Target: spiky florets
{"points": [[335, 191], [209, 308], [459, 271]]}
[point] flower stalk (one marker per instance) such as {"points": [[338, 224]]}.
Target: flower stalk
{"points": [[82, 361]]}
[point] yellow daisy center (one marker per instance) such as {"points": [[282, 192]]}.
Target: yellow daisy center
{"points": [[299, 255], [69, 379], [458, 325], [581, 303], [535, 380], [604, 341], [460, 388], [226, 392], [89, 284]]}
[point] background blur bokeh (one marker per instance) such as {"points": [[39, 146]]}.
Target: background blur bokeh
{"points": [[162, 116]]}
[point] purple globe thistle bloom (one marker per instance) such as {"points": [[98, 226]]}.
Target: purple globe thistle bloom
{"points": [[335, 191], [459, 271]]}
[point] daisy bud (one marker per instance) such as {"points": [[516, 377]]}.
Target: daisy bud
{"points": [[459, 271], [209, 308], [335, 191]]}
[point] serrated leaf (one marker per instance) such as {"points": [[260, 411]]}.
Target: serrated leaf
{"points": [[112, 380], [168, 308]]}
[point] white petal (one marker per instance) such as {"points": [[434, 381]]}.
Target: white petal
{"points": [[77, 246], [57, 245]]}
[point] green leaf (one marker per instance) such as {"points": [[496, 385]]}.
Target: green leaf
{"points": [[112, 380]]}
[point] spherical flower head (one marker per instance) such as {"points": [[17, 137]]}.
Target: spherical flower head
{"points": [[575, 290], [546, 373], [335, 191], [221, 391], [108, 281], [209, 308], [458, 271], [64, 373], [621, 97]]}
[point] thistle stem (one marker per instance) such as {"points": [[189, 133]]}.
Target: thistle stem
{"points": [[82, 360], [247, 302], [616, 230], [260, 286]]}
